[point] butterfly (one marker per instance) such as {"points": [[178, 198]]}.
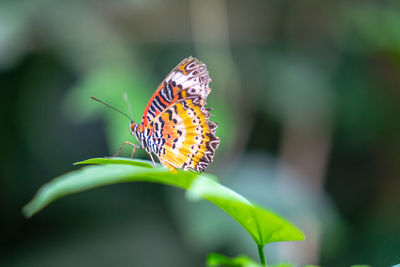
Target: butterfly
{"points": [[175, 125]]}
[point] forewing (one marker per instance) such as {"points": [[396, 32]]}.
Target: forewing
{"points": [[182, 136], [188, 79]]}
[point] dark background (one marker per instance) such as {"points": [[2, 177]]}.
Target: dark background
{"points": [[306, 94]]}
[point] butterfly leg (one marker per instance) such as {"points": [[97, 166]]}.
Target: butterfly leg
{"points": [[151, 156], [133, 152], [119, 150]]}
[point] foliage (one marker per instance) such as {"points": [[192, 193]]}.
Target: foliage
{"points": [[219, 260], [263, 225], [214, 260]]}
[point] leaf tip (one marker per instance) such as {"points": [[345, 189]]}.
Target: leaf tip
{"points": [[27, 211]]}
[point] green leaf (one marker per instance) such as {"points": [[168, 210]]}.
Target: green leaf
{"points": [[264, 226], [116, 160], [215, 260], [283, 264]]}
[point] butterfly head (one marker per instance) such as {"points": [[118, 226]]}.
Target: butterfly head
{"points": [[133, 126]]}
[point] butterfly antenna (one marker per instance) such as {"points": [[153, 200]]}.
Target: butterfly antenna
{"points": [[128, 104], [107, 105]]}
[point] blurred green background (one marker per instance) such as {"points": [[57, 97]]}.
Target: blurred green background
{"points": [[306, 94]]}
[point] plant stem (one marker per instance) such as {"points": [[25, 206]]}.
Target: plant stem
{"points": [[261, 253]]}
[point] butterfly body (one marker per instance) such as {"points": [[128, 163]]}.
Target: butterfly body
{"points": [[175, 125]]}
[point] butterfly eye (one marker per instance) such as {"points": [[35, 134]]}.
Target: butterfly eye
{"points": [[133, 127]]}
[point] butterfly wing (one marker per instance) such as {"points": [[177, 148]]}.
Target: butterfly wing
{"points": [[177, 122]]}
